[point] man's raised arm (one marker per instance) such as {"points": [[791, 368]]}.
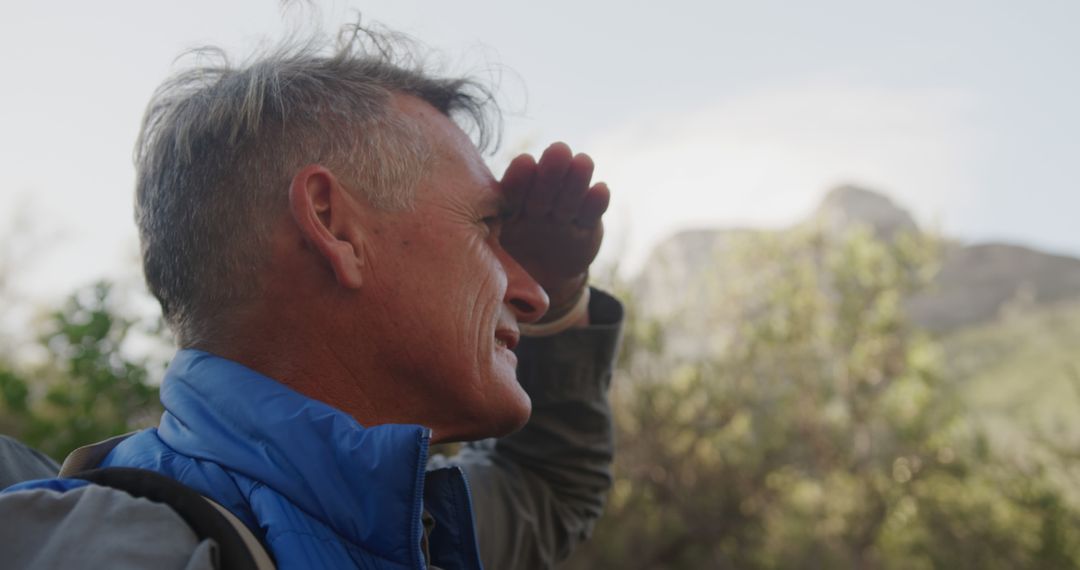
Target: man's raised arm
{"points": [[537, 493]]}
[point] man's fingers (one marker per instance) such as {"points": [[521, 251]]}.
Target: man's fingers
{"points": [[550, 172], [557, 185], [575, 184], [518, 180], [593, 206]]}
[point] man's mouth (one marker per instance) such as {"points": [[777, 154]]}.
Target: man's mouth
{"points": [[506, 338]]}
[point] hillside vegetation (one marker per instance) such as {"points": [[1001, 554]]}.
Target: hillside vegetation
{"points": [[1019, 375], [805, 421]]}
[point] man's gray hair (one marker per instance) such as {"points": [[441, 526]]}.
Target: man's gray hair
{"points": [[220, 144]]}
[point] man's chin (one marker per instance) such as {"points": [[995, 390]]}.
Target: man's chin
{"points": [[508, 418], [511, 423]]}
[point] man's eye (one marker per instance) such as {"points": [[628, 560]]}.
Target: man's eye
{"points": [[492, 223], [496, 219]]}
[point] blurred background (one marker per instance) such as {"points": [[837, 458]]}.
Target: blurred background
{"points": [[844, 230]]}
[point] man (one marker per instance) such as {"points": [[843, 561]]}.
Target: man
{"points": [[349, 283]]}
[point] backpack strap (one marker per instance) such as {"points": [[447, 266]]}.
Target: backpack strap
{"points": [[254, 546], [238, 548]]}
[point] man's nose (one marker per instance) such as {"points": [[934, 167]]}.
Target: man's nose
{"points": [[524, 295]]}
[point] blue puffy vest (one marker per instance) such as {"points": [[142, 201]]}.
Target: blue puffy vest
{"points": [[321, 490]]}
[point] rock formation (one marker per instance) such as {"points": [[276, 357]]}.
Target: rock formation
{"points": [[976, 282]]}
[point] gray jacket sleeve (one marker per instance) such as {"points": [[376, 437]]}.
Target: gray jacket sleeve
{"points": [[20, 462], [45, 529], [537, 493]]}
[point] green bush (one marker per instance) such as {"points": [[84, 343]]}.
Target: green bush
{"points": [[87, 389], [821, 435]]}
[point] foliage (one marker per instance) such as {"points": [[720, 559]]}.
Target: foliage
{"points": [[1021, 374], [822, 435], [87, 389]]}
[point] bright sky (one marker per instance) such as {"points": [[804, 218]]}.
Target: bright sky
{"points": [[697, 113]]}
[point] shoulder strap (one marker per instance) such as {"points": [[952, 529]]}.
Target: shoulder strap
{"points": [[237, 546], [254, 546]]}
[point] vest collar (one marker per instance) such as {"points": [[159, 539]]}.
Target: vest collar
{"points": [[365, 483]]}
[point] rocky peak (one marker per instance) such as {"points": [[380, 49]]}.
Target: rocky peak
{"points": [[846, 206], [975, 284]]}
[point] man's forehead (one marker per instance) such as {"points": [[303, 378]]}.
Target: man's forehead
{"points": [[425, 115], [441, 131], [450, 144]]}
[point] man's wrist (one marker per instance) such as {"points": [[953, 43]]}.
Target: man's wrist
{"points": [[570, 314], [565, 298]]}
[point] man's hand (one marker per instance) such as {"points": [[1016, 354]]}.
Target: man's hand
{"points": [[555, 229]]}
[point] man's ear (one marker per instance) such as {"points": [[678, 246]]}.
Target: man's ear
{"points": [[327, 218]]}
